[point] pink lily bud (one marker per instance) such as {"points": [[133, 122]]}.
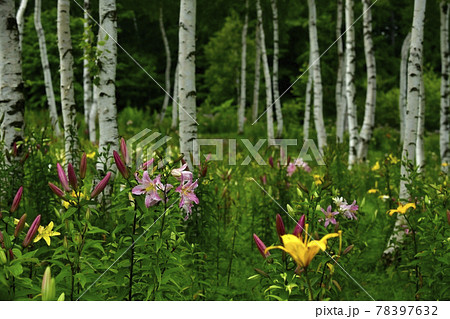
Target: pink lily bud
{"points": [[14, 150], [120, 165], [83, 166], [260, 245], [20, 225], [16, 200], [300, 226], [11, 254], [32, 231], [271, 161], [63, 178], [72, 176], [124, 151], [55, 189], [264, 179], [280, 226], [101, 185], [147, 164]]}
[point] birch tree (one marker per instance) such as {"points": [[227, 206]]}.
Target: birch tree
{"points": [[168, 64], [11, 83], [307, 116], [46, 69], [403, 83], [317, 77], [412, 108], [340, 88], [255, 104], [371, 95], [20, 20], [175, 99], [350, 82], [87, 80], [106, 94], [269, 100], [276, 52], [66, 79], [420, 147], [243, 96], [444, 130], [186, 79], [93, 116]]}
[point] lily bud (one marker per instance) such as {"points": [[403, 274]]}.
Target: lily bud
{"points": [[124, 151], [280, 226], [32, 231], [11, 254], [16, 200], [72, 176], [83, 166], [347, 250], [20, 225], [55, 189], [101, 185], [48, 286], [300, 226], [260, 245], [271, 161], [14, 150], [63, 178], [3, 259], [65, 243], [120, 165]]}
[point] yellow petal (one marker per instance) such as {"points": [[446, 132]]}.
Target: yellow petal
{"points": [[54, 233], [49, 227], [404, 208], [47, 239], [38, 238]]}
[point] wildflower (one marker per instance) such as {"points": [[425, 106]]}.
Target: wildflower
{"points": [[339, 201], [72, 176], [299, 226], [261, 247], [101, 185], [62, 177], [45, 233], [150, 188], [188, 197], [376, 167], [55, 189], [83, 166], [66, 204], [372, 191], [181, 173], [90, 155], [302, 251], [329, 216], [302, 164], [280, 226], [401, 209], [393, 159], [350, 210], [291, 168], [32, 231], [120, 165], [383, 197], [16, 200], [317, 180]]}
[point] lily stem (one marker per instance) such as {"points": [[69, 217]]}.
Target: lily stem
{"points": [[311, 297]]}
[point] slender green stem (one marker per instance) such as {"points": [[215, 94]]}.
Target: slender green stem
{"points": [[311, 297]]}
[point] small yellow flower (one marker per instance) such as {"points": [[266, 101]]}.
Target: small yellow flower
{"points": [[444, 164], [46, 233], [317, 179], [372, 191], [383, 197], [376, 167], [90, 155], [303, 251], [66, 204], [401, 209], [393, 159]]}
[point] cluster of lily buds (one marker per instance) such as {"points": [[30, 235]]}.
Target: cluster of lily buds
{"points": [[16, 200], [32, 232], [48, 290]]}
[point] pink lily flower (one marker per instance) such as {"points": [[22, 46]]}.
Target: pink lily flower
{"points": [[329, 216], [150, 188], [181, 173], [291, 169], [188, 197], [350, 210]]}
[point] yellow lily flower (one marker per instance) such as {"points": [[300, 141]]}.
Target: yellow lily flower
{"points": [[66, 204], [302, 251], [376, 167], [401, 209], [46, 233], [372, 191], [317, 180], [90, 155], [393, 159]]}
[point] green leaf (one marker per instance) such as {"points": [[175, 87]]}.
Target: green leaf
{"points": [[16, 269]]}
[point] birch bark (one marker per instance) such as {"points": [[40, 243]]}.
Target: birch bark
{"points": [[403, 83], [175, 100], [20, 21], [420, 147], [276, 52], [444, 130], [87, 81], [307, 116], [168, 64], [256, 85], [243, 96], [340, 81]]}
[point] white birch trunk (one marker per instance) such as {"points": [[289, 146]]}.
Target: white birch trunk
{"points": [[20, 20], [106, 97], [350, 83], [308, 101], [412, 108], [175, 99], [93, 113], [87, 81], [276, 51], [317, 78], [186, 80], [256, 85], [168, 65], [371, 95], [46, 68], [243, 95], [269, 106], [12, 103], [403, 84], [420, 148], [444, 131], [340, 88]]}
